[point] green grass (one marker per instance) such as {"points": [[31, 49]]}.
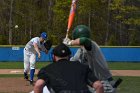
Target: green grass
{"points": [[129, 85], [124, 66], [12, 75], [112, 65], [19, 65]]}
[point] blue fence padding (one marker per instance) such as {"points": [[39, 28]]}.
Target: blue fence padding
{"points": [[118, 54], [122, 54], [11, 54], [48, 57], [16, 54]]}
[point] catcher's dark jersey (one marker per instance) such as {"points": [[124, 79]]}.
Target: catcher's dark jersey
{"points": [[67, 76]]}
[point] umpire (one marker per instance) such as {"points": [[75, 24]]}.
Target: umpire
{"points": [[65, 76]]}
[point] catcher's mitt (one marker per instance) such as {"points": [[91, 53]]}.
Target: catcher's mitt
{"points": [[48, 44]]}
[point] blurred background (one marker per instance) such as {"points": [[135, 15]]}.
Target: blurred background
{"points": [[112, 22]]}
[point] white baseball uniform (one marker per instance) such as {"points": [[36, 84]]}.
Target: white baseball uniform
{"points": [[30, 53]]}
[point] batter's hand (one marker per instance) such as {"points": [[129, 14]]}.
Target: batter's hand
{"points": [[67, 41]]}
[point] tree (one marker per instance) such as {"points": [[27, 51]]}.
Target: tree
{"points": [[124, 14]]}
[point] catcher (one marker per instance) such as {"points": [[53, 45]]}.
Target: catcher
{"points": [[33, 47], [90, 54]]}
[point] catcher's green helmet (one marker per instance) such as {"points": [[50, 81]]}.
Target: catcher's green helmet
{"points": [[81, 31]]}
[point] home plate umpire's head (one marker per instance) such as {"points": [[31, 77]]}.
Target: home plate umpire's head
{"points": [[61, 50]]}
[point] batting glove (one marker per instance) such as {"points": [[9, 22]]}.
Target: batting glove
{"points": [[67, 41]]}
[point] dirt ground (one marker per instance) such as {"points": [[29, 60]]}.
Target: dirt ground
{"points": [[15, 85], [19, 85]]}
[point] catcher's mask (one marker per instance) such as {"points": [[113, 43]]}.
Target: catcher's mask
{"points": [[81, 31], [61, 50]]}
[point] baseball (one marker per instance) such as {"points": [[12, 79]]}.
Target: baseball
{"points": [[16, 26]]}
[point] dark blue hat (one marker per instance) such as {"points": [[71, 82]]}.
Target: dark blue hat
{"points": [[44, 35]]}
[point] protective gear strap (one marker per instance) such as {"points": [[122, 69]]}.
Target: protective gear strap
{"points": [[86, 42]]}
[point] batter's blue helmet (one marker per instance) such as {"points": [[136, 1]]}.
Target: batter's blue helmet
{"points": [[44, 35]]}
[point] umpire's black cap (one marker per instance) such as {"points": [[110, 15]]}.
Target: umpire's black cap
{"points": [[61, 50]]}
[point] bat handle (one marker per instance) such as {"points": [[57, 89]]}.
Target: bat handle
{"points": [[67, 33]]}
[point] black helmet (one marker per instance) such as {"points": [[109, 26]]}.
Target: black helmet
{"points": [[61, 50]]}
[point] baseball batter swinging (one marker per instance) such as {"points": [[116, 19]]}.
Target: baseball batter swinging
{"points": [[89, 52], [33, 47]]}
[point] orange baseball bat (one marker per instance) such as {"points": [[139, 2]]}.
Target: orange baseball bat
{"points": [[71, 16]]}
